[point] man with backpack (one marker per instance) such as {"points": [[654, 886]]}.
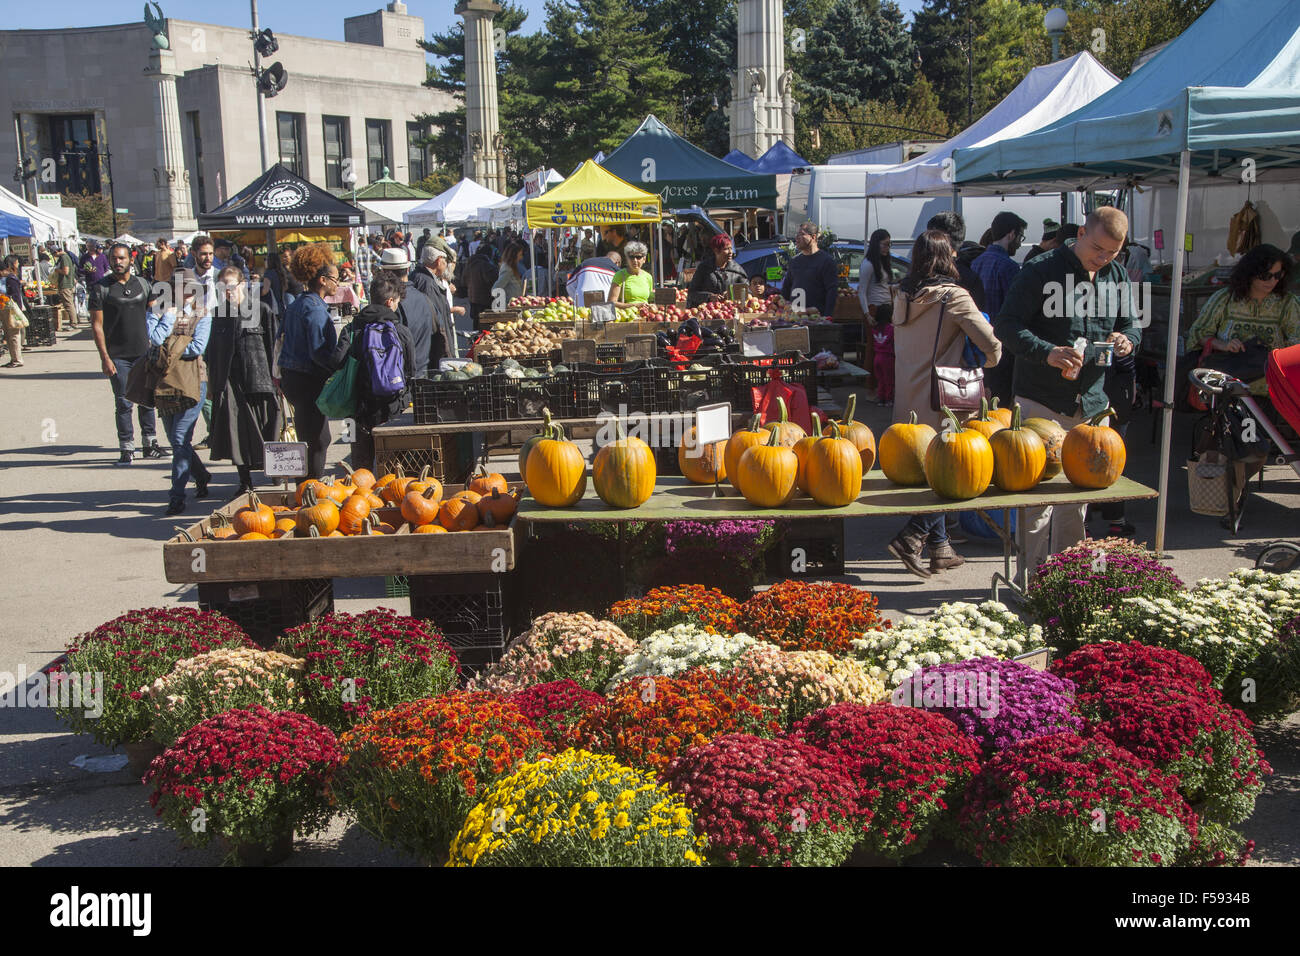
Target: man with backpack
{"points": [[384, 350], [415, 311]]}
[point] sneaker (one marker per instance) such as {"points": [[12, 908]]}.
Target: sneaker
{"points": [[155, 451], [202, 444], [201, 487], [127, 455]]}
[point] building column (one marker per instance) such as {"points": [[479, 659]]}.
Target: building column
{"points": [[761, 84], [173, 211], [484, 155]]}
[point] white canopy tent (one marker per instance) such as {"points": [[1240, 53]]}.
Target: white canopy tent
{"points": [[460, 203], [1044, 96], [45, 225], [512, 209], [388, 212]]}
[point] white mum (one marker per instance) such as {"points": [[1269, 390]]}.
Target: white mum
{"points": [[667, 653]]}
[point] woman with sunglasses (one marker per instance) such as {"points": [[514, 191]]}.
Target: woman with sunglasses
{"points": [[1255, 305], [632, 283]]}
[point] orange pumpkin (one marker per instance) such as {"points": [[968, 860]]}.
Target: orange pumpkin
{"points": [[982, 423], [501, 507], [834, 469], [395, 490], [859, 434], [458, 514], [1093, 454], [484, 482], [624, 472], [902, 452], [421, 507], [353, 514], [321, 514], [801, 449], [285, 525], [557, 473], [767, 473], [702, 464], [787, 432], [254, 536], [373, 500], [531, 443], [254, 517], [738, 444], [362, 478], [1002, 416], [1053, 436], [425, 482], [1018, 456], [315, 483], [429, 529], [959, 461], [220, 527]]}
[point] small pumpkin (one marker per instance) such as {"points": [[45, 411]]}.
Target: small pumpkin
{"points": [[458, 514], [863, 440], [314, 483], [321, 514], [1093, 454], [623, 471], [739, 443], [702, 464], [530, 444], [220, 527], [556, 473], [902, 451], [373, 500], [254, 517], [429, 529], [421, 507], [1053, 436], [787, 432], [766, 473], [1001, 415], [501, 507], [1018, 456], [362, 478], [801, 449], [485, 482], [982, 423], [959, 461], [353, 514], [834, 469], [395, 490], [380, 526], [424, 482], [254, 536], [285, 525]]}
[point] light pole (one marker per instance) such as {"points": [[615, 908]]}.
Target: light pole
{"points": [[1056, 20]]}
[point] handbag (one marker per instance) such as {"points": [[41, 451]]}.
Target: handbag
{"points": [[14, 318], [953, 387], [140, 383], [338, 399]]}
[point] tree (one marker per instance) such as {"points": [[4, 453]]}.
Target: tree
{"points": [[842, 129], [1117, 32], [440, 180], [95, 214], [861, 52]]}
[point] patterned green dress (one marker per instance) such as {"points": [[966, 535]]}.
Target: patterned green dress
{"points": [[1274, 320]]}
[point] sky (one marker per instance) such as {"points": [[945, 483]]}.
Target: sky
{"points": [[282, 16]]}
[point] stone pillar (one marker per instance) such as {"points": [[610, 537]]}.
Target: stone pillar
{"points": [[758, 117], [484, 159], [173, 212]]}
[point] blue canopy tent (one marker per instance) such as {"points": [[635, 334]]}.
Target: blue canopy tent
{"points": [[779, 159], [14, 225], [1220, 103], [737, 158]]}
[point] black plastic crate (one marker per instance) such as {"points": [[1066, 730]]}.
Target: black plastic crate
{"points": [[610, 351], [434, 403], [613, 389], [807, 548], [793, 369], [266, 609], [469, 610], [527, 361], [830, 338], [516, 399], [696, 387], [42, 326]]}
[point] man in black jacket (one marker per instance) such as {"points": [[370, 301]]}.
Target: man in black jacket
{"points": [[480, 273], [812, 280], [430, 277], [414, 311]]}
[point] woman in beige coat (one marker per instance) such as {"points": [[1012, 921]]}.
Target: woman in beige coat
{"points": [[929, 292]]}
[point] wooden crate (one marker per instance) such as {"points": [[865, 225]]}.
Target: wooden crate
{"points": [[450, 458], [488, 319], [203, 561]]}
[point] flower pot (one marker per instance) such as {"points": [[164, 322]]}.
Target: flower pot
{"points": [[140, 754], [255, 854]]}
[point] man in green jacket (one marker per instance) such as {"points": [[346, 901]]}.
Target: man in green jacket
{"points": [[1075, 292]]}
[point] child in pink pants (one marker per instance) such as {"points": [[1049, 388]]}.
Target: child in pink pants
{"points": [[882, 335]]}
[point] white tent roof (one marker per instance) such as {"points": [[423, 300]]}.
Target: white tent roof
{"points": [[45, 225], [513, 208], [460, 203], [1043, 97], [383, 211]]}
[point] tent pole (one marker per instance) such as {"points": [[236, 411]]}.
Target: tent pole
{"points": [[1171, 349]]}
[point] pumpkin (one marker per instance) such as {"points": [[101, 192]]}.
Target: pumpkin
{"points": [[458, 514], [982, 423], [1053, 436], [421, 507], [902, 451], [556, 473], [959, 461], [834, 469], [1002, 416], [380, 526], [1093, 454], [738, 444], [766, 473], [787, 432], [315, 483], [283, 509], [863, 440], [702, 464], [221, 529], [531, 443], [381, 483], [254, 536], [285, 525], [396, 489], [1018, 456], [624, 472], [363, 479], [429, 529], [801, 449], [501, 507], [424, 483], [473, 497], [319, 513], [254, 517], [484, 482], [353, 514], [373, 500]]}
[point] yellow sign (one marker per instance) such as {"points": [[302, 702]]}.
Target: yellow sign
{"points": [[592, 197]]}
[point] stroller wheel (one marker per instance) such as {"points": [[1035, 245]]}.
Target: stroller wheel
{"points": [[1279, 558]]}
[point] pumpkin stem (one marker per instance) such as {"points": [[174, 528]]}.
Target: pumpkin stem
{"points": [[835, 429], [185, 534], [424, 472], [850, 408], [756, 422], [817, 425], [948, 413], [254, 502], [220, 519], [313, 531], [912, 420], [771, 437], [1015, 416], [557, 432], [983, 416], [1096, 419], [781, 403], [309, 496], [994, 406]]}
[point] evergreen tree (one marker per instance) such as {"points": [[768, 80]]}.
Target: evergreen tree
{"points": [[861, 52]]}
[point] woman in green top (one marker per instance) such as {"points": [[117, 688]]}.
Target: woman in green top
{"points": [[1255, 305], [632, 284]]}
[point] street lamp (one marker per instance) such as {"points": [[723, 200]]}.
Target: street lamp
{"points": [[1055, 21]]}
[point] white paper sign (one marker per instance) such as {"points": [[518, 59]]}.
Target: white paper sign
{"points": [[712, 423], [448, 365], [285, 459], [603, 312]]}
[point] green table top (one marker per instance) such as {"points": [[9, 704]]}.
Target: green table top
{"points": [[676, 499]]}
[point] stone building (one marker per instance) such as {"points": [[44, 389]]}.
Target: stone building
{"points": [[178, 128]]}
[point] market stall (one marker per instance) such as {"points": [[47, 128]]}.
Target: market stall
{"points": [[385, 200], [460, 203]]}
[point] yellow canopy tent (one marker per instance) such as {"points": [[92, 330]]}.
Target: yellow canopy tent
{"points": [[592, 197]]}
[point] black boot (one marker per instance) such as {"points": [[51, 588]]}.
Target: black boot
{"points": [[907, 548]]}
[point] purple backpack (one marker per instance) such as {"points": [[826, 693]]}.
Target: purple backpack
{"points": [[383, 360]]}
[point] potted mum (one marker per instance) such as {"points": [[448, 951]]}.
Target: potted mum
{"points": [[559, 646]]}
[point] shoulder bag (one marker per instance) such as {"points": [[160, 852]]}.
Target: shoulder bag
{"points": [[954, 387]]}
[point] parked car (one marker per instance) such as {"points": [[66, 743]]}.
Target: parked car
{"points": [[757, 257]]}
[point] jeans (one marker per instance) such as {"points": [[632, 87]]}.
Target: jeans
{"points": [[125, 433], [302, 389], [931, 527], [185, 460]]}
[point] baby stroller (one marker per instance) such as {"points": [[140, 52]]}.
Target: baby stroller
{"points": [[1231, 430]]}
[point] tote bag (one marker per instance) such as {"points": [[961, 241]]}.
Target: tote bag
{"points": [[338, 399]]}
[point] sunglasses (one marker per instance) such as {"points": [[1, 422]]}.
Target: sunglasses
{"points": [[1271, 276]]}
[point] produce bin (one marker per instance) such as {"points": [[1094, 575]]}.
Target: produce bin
{"points": [[266, 609], [469, 610], [43, 326]]}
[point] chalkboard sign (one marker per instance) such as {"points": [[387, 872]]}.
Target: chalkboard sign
{"points": [[603, 312], [593, 298], [285, 459], [774, 274], [665, 296]]}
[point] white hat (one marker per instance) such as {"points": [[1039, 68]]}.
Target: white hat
{"points": [[394, 259]]}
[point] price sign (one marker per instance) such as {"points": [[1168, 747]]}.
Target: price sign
{"points": [[1038, 660], [1187, 242], [285, 459], [774, 274], [712, 423], [603, 312], [665, 296], [1160, 239]]}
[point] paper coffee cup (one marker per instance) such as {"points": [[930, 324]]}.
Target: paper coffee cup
{"points": [[1105, 353]]}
